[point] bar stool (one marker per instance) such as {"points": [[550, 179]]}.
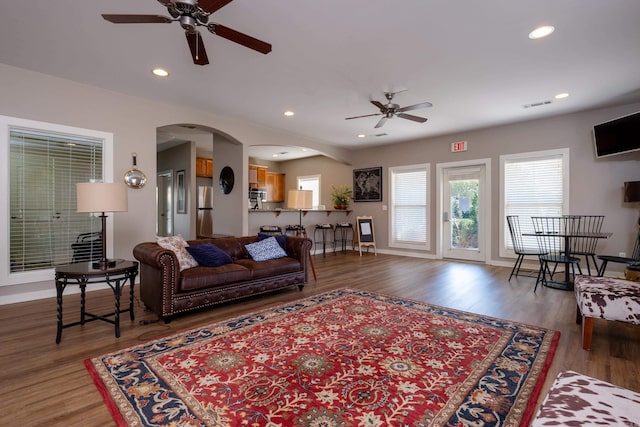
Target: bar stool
{"points": [[342, 233], [273, 230], [325, 231], [295, 230]]}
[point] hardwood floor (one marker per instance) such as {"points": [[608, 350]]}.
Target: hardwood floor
{"points": [[44, 384]]}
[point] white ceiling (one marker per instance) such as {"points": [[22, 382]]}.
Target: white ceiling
{"points": [[471, 59]]}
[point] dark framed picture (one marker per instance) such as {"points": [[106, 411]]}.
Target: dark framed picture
{"points": [[181, 193], [367, 184]]}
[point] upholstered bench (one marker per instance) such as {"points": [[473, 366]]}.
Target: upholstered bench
{"points": [[605, 298], [578, 400]]}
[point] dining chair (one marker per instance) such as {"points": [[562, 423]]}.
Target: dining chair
{"points": [[635, 257], [584, 246], [519, 247], [549, 234]]}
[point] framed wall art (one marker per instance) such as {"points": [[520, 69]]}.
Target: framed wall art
{"points": [[367, 184]]}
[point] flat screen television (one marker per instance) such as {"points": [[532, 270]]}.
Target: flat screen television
{"points": [[617, 136]]}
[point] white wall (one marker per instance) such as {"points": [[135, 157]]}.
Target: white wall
{"points": [[596, 185], [133, 122]]}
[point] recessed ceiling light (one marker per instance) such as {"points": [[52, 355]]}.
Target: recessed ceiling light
{"points": [[160, 72], [362, 135], [562, 95], [289, 113], [541, 32]]}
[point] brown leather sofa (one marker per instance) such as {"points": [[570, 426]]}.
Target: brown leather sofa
{"points": [[167, 291]]}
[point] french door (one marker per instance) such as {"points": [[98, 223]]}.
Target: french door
{"points": [[464, 207]]}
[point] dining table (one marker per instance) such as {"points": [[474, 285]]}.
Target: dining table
{"points": [[567, 235]]}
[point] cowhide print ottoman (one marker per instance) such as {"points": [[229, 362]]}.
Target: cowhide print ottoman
{"points": [[605, 298], [578, 400]]}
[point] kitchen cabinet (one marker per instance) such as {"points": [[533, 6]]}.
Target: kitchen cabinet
{"points": [[257, 176], [275, 187], [204, 167]]}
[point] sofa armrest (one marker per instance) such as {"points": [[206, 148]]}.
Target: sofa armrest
{"points": [[159, 276], [300, 248]]}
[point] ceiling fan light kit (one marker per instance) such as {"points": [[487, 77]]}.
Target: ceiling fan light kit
{"points": [[192, 14], [390, 110]]}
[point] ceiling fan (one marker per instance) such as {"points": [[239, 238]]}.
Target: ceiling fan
{"points": [[390, 110], [193, 14]]}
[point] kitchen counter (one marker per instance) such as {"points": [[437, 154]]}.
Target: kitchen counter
{"points": [[277, 212]]}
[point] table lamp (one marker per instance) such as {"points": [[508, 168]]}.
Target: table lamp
{"points": [[102, 197], [632, 192], [300, 199]]}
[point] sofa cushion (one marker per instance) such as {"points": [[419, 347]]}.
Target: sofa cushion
{"points": [[281, 239], [210, 277], [178, 245], [265, 250], [234, 246], [260, 269], [209, 255]]}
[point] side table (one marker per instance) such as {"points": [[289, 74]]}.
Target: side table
{"points": [[83, 274]]}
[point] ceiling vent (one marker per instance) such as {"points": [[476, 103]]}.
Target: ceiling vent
{"points": [[381, 134], [537, 104]]}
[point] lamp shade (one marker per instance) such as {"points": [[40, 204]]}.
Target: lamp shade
{"points": [[101, 197], [632, 191], [300, 199]]}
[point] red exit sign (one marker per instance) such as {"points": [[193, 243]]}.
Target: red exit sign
{"points": [[458, 146]]}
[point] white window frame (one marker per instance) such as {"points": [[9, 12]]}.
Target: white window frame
{"points": [[301, 183], [6, 123], [564, 153], [393, 242]]}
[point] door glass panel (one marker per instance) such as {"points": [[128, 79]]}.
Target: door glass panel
{"points": [[463, 208]]}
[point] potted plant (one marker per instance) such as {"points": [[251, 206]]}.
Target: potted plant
{"points": [[340, 196]]}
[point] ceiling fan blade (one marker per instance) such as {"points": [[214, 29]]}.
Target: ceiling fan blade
{"points": [[412, 117], [240, 38], [380, 105], [366, 115], [137, 19], [381, 123], [416, 107], [213, 5], [198, 52]]}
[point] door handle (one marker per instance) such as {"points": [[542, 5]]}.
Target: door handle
{"points": [[445, 216]]}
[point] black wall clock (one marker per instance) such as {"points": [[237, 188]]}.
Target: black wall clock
{"points": [[226, 179]]}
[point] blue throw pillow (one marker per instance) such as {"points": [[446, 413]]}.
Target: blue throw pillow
{"points": [[280, 238], [209, 255], [265, 250]]}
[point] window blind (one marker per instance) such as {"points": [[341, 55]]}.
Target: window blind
{"points": [[409, 217], [533, 186], [44, 169]]}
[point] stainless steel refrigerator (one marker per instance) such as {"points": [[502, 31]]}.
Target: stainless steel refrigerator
{"points": [[204, 223]]}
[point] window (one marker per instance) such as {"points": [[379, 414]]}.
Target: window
{"points": [[44, 163], [409, 213], [311, 182], [533, 184]]}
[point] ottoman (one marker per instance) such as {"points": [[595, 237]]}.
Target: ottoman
{"points": [[578, 400], [605, 298]]}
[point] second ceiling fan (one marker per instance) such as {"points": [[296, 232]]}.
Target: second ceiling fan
{"points": [[193, 14], [390, 110]]}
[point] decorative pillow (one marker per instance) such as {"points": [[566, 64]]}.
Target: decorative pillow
{"points": [[265, 250], [280, 238], [178, 245], [209, 255]]}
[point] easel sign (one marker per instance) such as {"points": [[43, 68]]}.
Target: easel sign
{"points": [[366, 234]]}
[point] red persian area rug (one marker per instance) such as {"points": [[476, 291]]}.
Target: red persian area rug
{"points": [[342, 358]]}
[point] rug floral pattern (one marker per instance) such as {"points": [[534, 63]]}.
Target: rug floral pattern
{"points": [[343, 358]]}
